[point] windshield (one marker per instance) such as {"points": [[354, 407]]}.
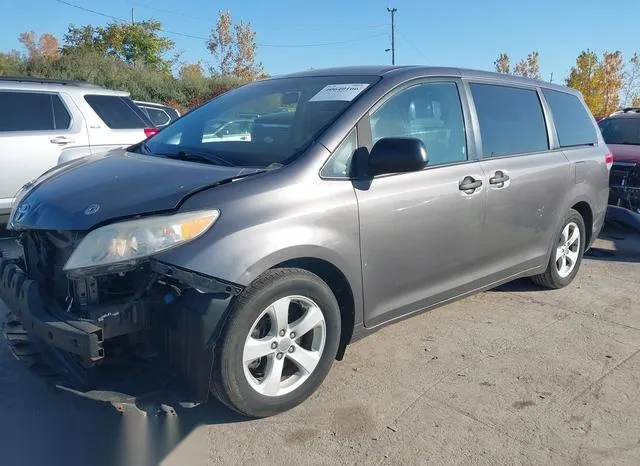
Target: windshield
{"points": [[263, 123], [621, 130]]}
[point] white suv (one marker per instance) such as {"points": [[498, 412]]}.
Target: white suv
{"points": [[46, 122]]}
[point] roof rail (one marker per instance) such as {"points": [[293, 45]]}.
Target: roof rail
{"points": [[64, 82], [631, 109]]}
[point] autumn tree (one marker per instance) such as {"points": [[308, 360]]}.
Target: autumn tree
{"points": [[502, 63], [140, 42], [613, 79], [599, 81], [45, 45], [630, 91], [191, 71], [234, 49], [528, 67]]}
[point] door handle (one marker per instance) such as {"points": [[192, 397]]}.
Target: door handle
{"points": [[469, 184], [61, 140], [499, 178]]}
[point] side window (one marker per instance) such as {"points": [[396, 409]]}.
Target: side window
{"points": [[339, 164], [573, 123], [157, 116], [431, 112], [118, 112], [26, 111], [61, 117], [511, 120]]}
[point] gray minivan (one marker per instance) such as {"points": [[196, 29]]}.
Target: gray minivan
{"points": [[361, 196]]}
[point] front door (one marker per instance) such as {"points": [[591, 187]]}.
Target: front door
{"points": [[421, 232]]}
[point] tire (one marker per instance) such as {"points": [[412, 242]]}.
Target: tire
{"points": [[250, 387], [556, 276]]}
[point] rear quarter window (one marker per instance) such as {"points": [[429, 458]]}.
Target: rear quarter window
{"points": [[573, 123], [511, 120], [118, 112]]}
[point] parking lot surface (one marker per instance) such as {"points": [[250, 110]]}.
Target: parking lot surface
{"points": [[516, 375]]}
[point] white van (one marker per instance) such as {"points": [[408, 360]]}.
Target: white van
{"points": [[45, 122]]}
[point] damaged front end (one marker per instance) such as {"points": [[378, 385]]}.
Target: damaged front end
{"points": [[88, 321], [624, 193]]}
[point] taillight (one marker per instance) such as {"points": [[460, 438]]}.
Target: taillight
{"points": [[608, 159], [148, 132]]}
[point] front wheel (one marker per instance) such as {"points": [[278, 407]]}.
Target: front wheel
{"points": [[278, 344], [566, 254]]}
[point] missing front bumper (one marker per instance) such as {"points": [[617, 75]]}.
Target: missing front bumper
{"points": [[42, 319]]}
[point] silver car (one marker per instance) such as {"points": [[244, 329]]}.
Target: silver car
{"points": [[363, 196]]}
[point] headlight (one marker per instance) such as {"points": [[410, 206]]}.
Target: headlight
{"points": [[126, 242]]}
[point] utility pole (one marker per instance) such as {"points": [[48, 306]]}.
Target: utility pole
{"points": [[393, 35], [133, 20], [551, 79]]}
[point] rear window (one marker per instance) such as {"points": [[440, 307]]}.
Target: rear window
{"points": [[158, 116], [32, 111], [573, 124], [511, 120], [118, 112]]}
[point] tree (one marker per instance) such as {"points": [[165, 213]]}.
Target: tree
{"points": [[234, 49], [587, 77], [132, 43], [599, 81], [529, 67], [44, 46], [191, 71], [502, 63], [613, 79], [631, 77]]}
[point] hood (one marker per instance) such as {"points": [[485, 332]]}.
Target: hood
{"points": [[89, 191], [625, 152]]}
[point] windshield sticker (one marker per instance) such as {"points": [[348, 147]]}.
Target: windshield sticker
{"points": [[338, 92]]}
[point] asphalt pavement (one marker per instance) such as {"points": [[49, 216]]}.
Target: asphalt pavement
{"points": [[516, 375]]}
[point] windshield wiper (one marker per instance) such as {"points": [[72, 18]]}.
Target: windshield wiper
{"points": [[198, 157]]}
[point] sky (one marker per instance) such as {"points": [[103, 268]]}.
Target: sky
{"points": [[297, 35]]}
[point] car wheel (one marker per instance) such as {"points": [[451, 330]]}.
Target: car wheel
{"points": [[278, 344], [566, 254]]}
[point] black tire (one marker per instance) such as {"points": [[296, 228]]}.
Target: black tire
{"points": [[229, 383], [551, 278]]}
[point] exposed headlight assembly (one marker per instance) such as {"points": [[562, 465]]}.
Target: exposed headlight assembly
{"points": [[125, 243]]}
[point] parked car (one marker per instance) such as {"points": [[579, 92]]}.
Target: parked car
{"points": [[251, 265], [621, 132], [45, 122], [161, 115]]}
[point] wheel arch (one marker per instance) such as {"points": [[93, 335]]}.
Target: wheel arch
{"points": [[341, 288], [586, 212]]}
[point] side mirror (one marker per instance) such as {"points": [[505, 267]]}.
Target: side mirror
{"points": [[397, 155]]}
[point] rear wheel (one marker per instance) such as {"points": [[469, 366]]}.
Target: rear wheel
{"points": [[279, 343], [566, 255]]}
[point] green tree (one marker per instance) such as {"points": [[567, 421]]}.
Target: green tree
{"points": [[234, 49], [132, 43]]}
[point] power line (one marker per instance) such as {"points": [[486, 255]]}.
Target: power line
{"points": [[412, 46], [203, 19], [191, 36]]}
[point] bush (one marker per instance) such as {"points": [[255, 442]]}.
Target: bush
{"points": [[142, 82]]}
